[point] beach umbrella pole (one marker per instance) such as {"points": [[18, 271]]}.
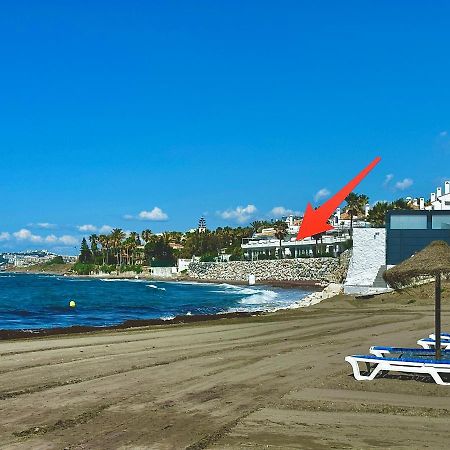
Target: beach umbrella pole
{"points": [[437, 315]]}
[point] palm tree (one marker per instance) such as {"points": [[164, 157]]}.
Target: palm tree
{"points": [[400, 203], [377, 215], [355, 207], [117, 236], [280, 233], [134, 241], [103, 239], [256, 225], [146, 235], [93, 239]]}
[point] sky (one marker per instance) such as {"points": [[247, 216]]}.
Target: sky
{"points": [[149, 114]]}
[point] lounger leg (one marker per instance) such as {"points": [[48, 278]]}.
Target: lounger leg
{"points": [[357, 371], [437, 378]]}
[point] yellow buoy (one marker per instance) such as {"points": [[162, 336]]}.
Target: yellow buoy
{"points": [[72, 304]]}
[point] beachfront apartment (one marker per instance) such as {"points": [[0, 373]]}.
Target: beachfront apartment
{"points": [[264, 245]]}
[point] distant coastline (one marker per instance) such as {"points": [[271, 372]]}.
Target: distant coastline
{"points": [[64, 270]]}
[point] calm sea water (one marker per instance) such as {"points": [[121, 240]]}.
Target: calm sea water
{"points": [[42, 301]]}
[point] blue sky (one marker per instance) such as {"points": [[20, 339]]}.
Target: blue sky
{"points": [[110, 109]]}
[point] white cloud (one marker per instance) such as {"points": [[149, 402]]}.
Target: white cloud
{"points": [[404, 184], [89, 228], [156, 215], [105, 229], [239, 214], [388, 179], [321, 193], [27, 235], [5, 236], [68, 240], [46, 225], [280, 211]]}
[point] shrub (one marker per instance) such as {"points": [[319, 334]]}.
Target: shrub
{"points": [[55, 260], [207, 258], [83, 268]]}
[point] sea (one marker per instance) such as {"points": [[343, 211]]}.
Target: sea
{"points": [[34, 301]]}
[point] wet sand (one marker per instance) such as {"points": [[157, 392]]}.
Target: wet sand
{"points": [[272, 381]]}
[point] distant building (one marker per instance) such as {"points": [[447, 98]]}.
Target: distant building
{"points": [[440, 201], [201, 225], [32, 257]]}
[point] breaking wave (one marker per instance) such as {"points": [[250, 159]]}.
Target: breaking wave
{"points": [[152, 286]]}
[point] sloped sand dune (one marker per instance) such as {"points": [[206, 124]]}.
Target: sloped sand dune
{"points": [[275, 381]]}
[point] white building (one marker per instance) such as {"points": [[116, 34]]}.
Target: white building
{"points": [[440, 200]]}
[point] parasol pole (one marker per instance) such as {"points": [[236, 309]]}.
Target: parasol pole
{"points": [[437, 315]]}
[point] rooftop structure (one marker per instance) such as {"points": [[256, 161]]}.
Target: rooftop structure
{"points": [[439, 200], [202, 225]]}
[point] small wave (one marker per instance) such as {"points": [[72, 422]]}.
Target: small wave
{"points": [[76, 280], [259, 297], [124, 280], [230, 289], [167, 317], [152, 286], [189, 313]]}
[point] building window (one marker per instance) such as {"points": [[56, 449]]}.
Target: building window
{"points": [[440, 222], [409, 222]]}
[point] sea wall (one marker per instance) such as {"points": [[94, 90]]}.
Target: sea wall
{"points": [[369, 254], [324, 270]]}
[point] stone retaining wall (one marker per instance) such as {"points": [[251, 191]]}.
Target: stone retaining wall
{"points": [[303, 269]]}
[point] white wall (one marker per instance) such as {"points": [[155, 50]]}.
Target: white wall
{"points": [[163, 272], [369, 254]]}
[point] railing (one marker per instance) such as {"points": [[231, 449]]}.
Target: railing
{"points": [[273, 243]]}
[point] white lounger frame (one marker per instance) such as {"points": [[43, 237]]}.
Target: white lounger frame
{"points": [[390, 365], [429, 343]]}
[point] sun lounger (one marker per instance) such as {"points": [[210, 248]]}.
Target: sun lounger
{"points": [[445, 336], [429, 343], [382, 350], [376, 364]]}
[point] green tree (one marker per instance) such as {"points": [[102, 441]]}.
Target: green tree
{"points": [[93, 239], [85, 253], [377, 214], [146, 235], [55, 260], [117, 236]]}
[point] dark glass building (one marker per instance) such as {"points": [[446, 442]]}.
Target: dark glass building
{"points": [[408, 231]]}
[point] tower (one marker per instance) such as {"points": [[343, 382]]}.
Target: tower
{"points": [[202, 225]]}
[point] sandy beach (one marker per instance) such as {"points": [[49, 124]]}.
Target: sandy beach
{"points": [[273, 381]]}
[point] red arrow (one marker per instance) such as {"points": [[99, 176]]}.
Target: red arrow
{"points": [[315, 220]]}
